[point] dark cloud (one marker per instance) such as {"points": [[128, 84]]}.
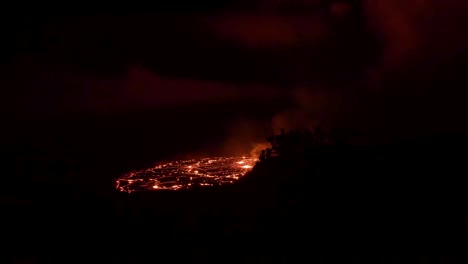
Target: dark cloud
{"points": [[64, 92], [270, 31], [419, 75], [340, 9], [413, 83], [416, 32], [363, 62]]}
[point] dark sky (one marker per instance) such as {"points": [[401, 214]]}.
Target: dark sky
{"points": [[378, 63]]}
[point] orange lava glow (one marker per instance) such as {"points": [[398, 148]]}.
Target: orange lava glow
{"points": [[186, 174]]}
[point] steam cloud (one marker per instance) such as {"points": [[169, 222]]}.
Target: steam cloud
{"points": [[412, 85]]}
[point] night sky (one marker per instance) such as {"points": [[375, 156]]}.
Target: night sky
{"points": [[380, 66], [93, 90]]}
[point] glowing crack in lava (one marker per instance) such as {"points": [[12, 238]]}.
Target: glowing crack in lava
{"points": [[186, 174]]}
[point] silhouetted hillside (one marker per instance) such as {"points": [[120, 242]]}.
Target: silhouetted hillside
{"points": [[394, 202]]}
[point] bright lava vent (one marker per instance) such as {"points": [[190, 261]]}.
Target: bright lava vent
{"points": [[186, 174]]}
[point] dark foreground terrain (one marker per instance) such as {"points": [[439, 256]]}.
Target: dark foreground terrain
{"points": [[403, 202]]}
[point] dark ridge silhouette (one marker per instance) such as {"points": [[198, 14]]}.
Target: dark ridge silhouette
{"points": [[325, 203]]}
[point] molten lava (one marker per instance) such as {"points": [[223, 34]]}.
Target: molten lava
{"points": [[186, 174]]}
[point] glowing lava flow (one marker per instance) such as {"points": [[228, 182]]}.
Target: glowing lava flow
{"points": [[186, 174]]}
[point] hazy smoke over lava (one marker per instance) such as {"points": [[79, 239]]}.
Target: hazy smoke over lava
{"points": [[316, 106]]}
